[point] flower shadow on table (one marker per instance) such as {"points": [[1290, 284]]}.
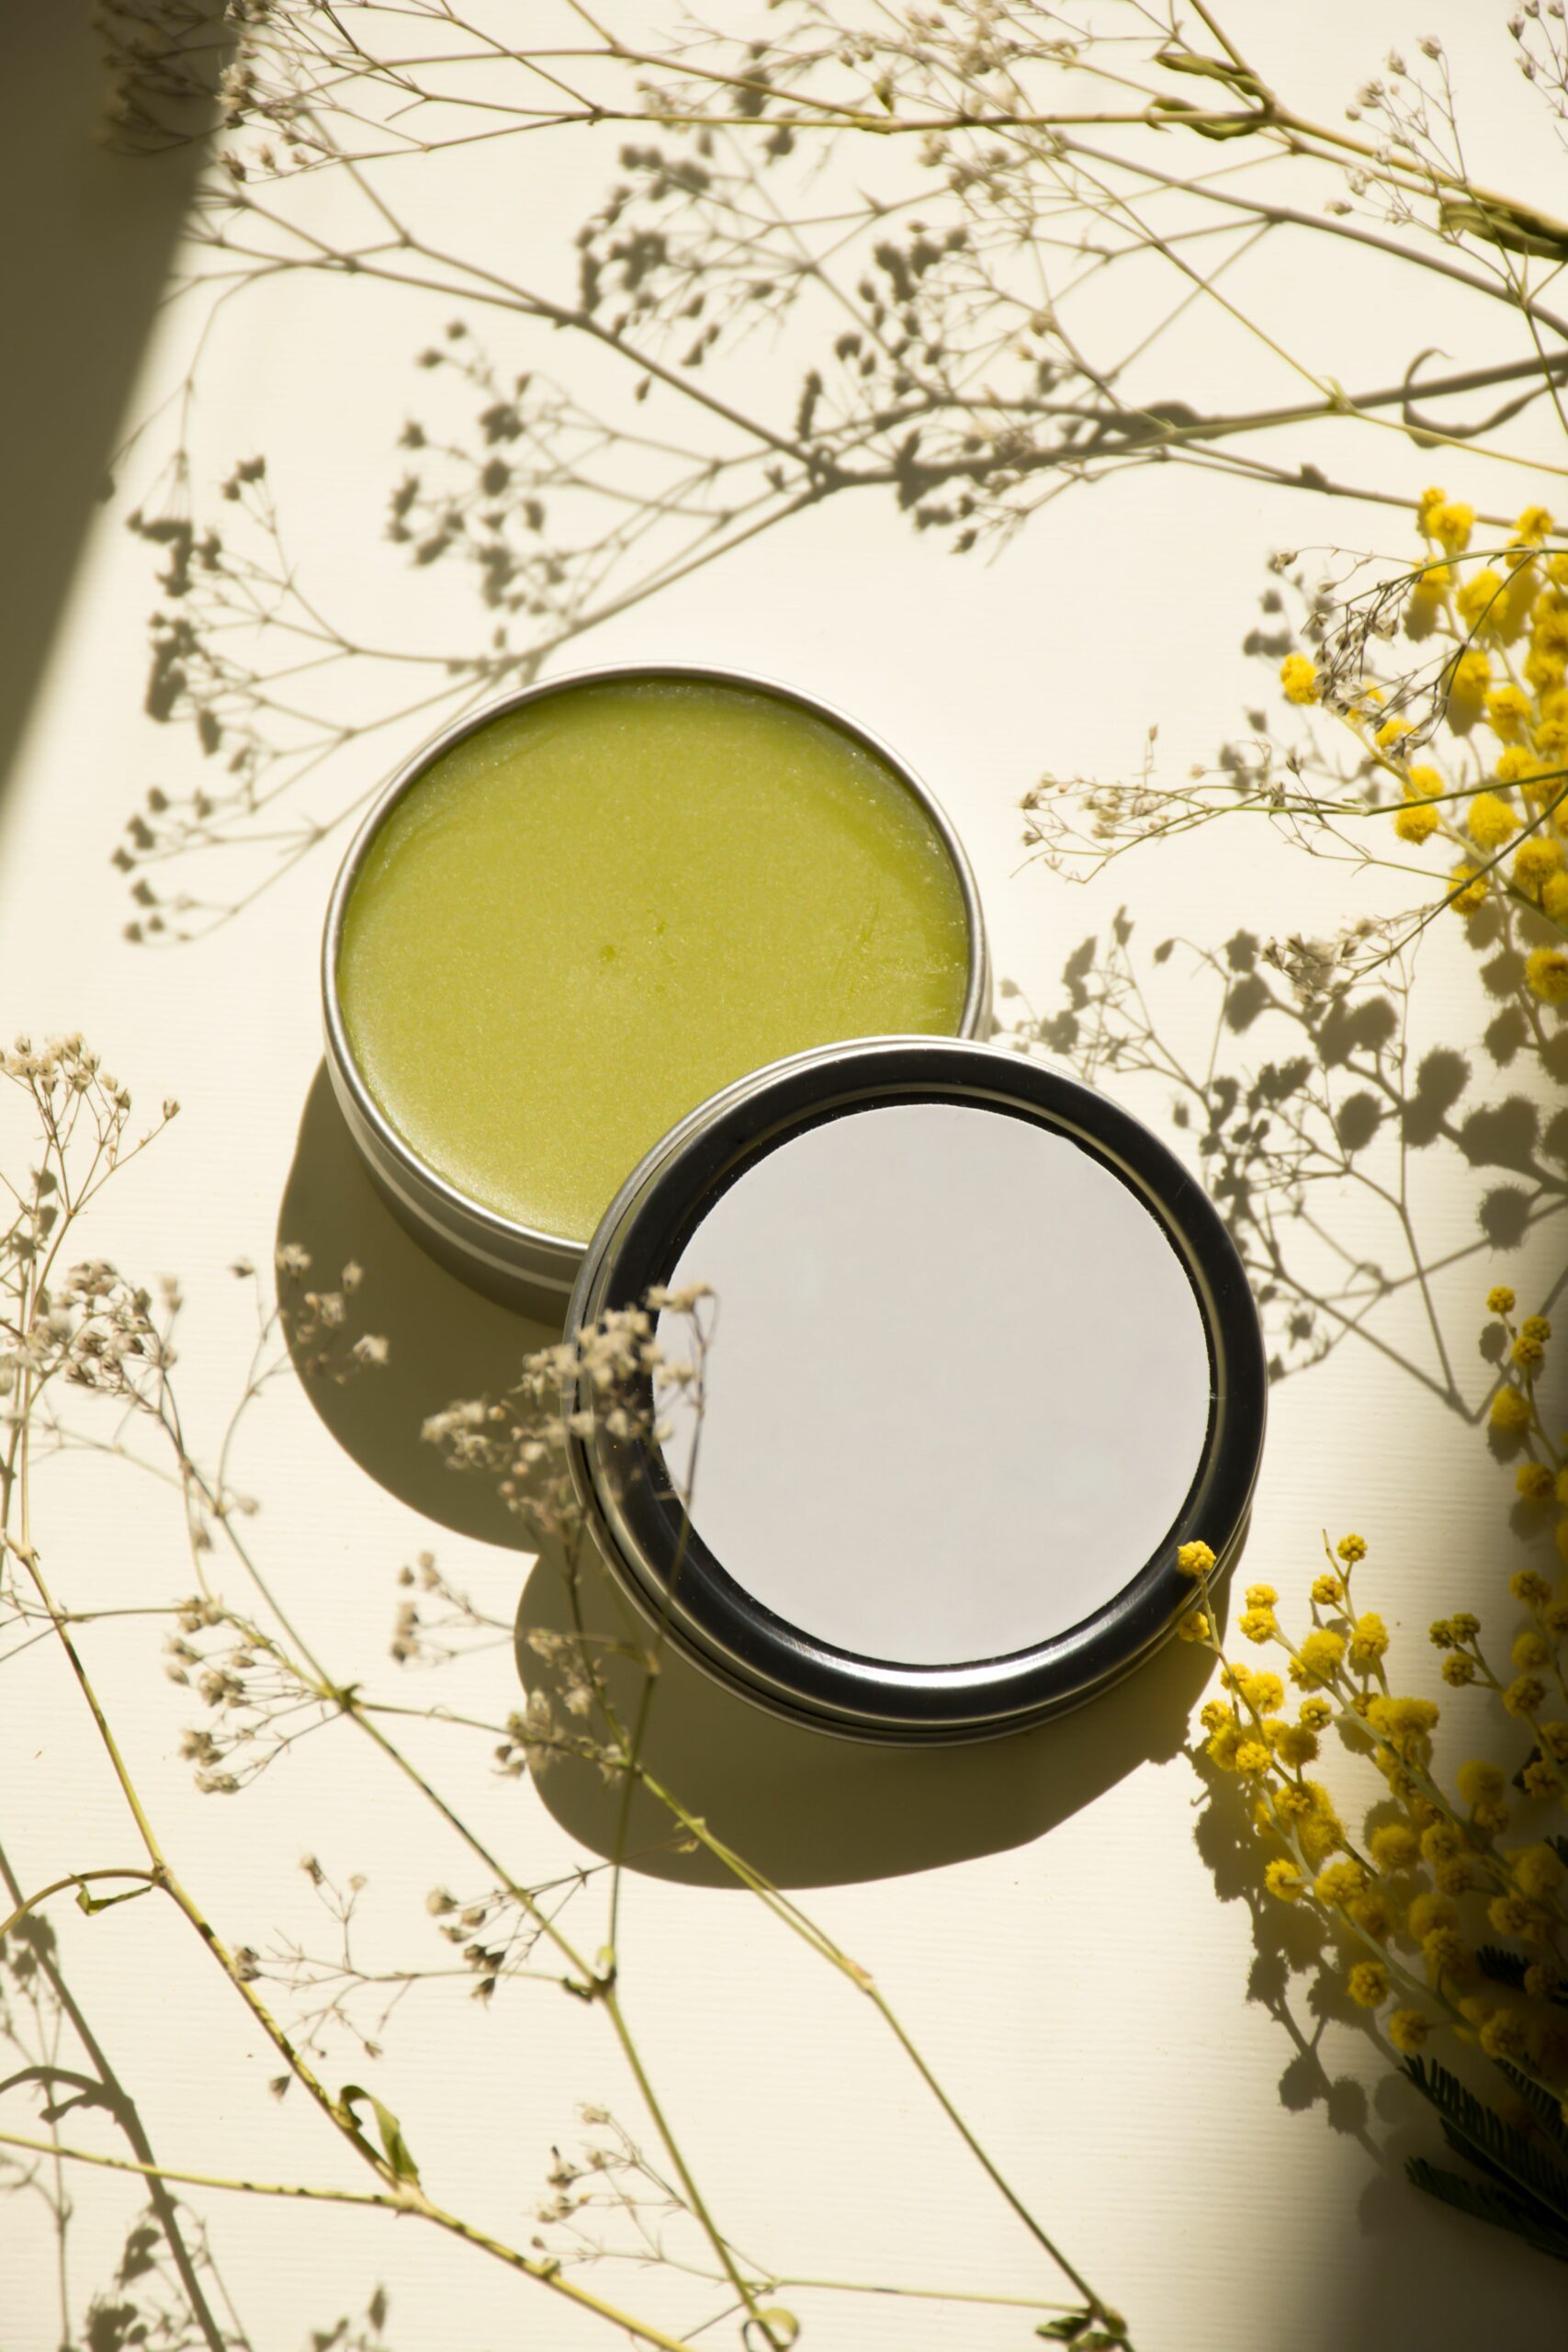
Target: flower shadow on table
{"points": [[808, 1809], [804, 1808]]}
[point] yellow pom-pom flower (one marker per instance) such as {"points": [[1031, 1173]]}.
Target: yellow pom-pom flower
{"points": [[1535, 862], [1536, 1870], [1468, 895], [1282, 1879], [1546, 971], [1510, 1413], [1554, 899], [1299, 678], [1507, 712], [1395, 1847], [1351, 1548], [1479, 1782], [1480, 602], [1490, 821], [1408, 2030], [1294, 1745], [1368, 1983], [1368, 1640], [1320, 1654], [1451, 524], [1500, 1299], [1194, 1559], [1416, 824]]}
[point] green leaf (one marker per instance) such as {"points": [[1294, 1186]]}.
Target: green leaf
{"points": [[1207, 125], [1213, 69], [91, 1902], [1512, 226], [391, 2130], [1484, 2203], [1066, 2330], [782, 2326], [1478, 2133]]}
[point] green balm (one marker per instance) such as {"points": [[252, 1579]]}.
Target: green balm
{"points": [[596, 910]]}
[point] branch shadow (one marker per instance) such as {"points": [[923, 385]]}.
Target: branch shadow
{"points": [[444, 1340], [83, 284], [806, 1808]]}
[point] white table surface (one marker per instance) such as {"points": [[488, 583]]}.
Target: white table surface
{"points": [[1038, 1910]]}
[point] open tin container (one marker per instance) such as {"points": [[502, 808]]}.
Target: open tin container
{"points": [[984, 1355], [523, 1265], [984, 1358]]}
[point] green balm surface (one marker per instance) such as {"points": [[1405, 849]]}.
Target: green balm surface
{"points": [[599, 908]]}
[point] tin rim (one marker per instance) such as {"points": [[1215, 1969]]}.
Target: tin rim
{"points": [[502, 1244], [736, 1639]]}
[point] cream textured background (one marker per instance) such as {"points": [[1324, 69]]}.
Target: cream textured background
{"points": [[1037, 1910]]}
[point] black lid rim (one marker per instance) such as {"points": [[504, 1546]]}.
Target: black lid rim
{"points": [[734, 1636]]}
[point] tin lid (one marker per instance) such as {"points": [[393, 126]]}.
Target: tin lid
{"points": [[983, 1357]]}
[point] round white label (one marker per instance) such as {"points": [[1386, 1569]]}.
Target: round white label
{"points": [[958, 1387]]}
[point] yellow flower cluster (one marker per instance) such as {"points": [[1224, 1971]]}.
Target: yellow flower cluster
{"points": [[1501, 799], [1443, 1917]]}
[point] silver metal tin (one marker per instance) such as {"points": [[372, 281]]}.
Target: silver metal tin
{"points": [[518, 1264], [662, 1565]]}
